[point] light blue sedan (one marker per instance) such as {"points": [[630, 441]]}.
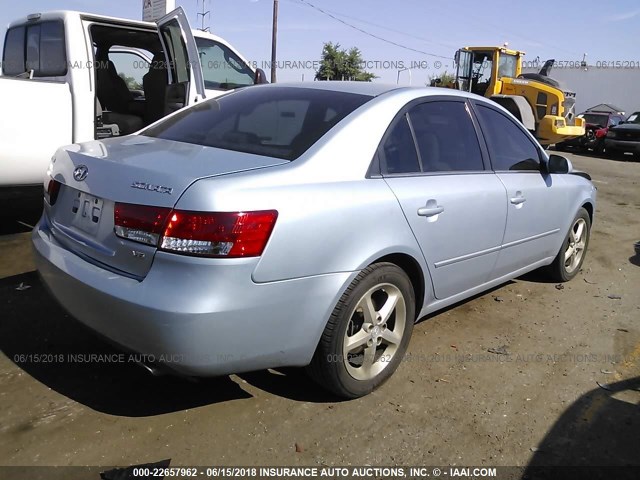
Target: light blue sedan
{"points": [[304, 225]]}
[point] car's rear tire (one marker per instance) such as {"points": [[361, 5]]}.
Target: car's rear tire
{"points": [[367, 334], [569, 260], [599, 148]]}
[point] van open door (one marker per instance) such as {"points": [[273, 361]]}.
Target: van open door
{"points": [[186, 83]]}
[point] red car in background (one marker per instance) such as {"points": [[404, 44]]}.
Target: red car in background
{"points": [[597, 126]]}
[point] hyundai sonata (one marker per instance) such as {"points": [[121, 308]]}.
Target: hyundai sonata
{"points": [[304, 225]]}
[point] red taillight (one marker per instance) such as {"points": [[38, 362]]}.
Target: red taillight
{"points": [[218, 234], [51, 193], [140, 223]]}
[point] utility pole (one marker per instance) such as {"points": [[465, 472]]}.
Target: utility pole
{"points": [[203, 14], [274, 41]]}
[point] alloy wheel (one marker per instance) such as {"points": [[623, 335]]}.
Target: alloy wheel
{"points": [[375, 331]]}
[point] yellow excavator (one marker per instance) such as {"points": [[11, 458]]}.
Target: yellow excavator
{"points": [[539, 102]]}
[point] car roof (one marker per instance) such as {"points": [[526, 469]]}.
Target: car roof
{"points": [[375, 89], [70, 14], [362, 88]]}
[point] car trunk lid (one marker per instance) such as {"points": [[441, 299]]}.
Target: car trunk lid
{"points": [[137, 170]]}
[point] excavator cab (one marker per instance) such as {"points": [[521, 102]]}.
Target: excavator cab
{"points": [[539, 102], [481, 68]]}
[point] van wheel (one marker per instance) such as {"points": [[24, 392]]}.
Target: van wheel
{"points": [[367, 334], [570, 257]]}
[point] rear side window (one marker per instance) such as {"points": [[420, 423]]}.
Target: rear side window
{"points": [[39, 47], [14, 52], [399, 153], [510, 148], [281, 122], [446, 137]]}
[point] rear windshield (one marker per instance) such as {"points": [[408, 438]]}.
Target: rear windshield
{"points": [[281, 122], [37, 46], [594, 119]]}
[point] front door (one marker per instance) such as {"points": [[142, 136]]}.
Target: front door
{"points": [[536, 201], [186, 84]]}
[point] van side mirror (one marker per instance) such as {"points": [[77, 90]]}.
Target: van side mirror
{"points": [[559, 164], [260, 77]]}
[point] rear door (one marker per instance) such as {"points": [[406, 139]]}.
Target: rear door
{"points": [[432, 160], [186, 85], [537, 202]]}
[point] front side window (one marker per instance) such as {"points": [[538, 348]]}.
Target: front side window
{"points": [[174, 42], [507, 65], [446, 137], [510, 148], [39, 47], [282, 122], [222, 69], [482, 66]]}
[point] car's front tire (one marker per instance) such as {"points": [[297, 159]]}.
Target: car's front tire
{"points": [[569, 260], [367, 334]]}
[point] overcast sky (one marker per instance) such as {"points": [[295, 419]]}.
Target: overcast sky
{"points": [[606, 31]]}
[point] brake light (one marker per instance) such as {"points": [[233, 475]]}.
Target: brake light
{"points": [[217, 234], [52, 191], [140, 223]]}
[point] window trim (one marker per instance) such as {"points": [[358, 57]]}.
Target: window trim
{"points": [[377, 169], [541, 159]]}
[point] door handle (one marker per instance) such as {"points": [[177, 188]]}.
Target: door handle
{"points": [[518, 199], [430, 211]]}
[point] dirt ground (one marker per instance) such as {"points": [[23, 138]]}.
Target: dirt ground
{"points": [[565, 391]]}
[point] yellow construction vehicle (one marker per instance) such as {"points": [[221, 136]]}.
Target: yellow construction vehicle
{"points": [[539, 102]]}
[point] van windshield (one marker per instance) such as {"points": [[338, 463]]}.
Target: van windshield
{"points": [[281, 122]]}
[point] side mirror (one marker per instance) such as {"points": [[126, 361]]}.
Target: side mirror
{"points": [[559, 164], [260, 77]]}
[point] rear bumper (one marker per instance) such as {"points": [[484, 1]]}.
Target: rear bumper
{"points": [[622, 145], [200, 317]]}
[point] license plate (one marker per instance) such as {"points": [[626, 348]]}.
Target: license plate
{"points": [[86, 210]]}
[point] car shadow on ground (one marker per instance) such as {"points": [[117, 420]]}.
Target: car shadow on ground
{"points": [[19, 218], [537, 276], [600, 429], [291, 383], [42, 340], [635, 260]]}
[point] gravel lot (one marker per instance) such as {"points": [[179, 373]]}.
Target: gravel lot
{"points": [[565, 388]]}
